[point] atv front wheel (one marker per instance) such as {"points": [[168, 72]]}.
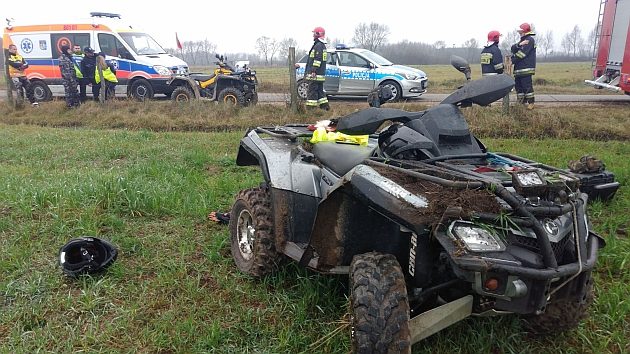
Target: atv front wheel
{"points": [[562, 314], [379, 305], [232, 96], [182, 94], [251, 232]]}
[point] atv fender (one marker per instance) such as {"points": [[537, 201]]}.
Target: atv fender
{"points": [[283, 164], [179, 80]]}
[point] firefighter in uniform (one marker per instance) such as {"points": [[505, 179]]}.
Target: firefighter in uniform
{"points": [[69, 77], [316, 71], [491, 57], [109, 76], [17, 65], [524, 59]]}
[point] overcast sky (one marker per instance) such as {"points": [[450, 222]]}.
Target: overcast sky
{"points": [[236, 28]]}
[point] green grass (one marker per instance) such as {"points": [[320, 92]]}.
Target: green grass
{"points": [[175, 288]]}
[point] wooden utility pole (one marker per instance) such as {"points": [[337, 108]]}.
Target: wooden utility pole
{"points": [[507, 70], [7, 77], [293, 81]]}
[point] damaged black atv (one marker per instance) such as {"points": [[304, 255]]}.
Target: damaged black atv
{"points": [[430, 226]]}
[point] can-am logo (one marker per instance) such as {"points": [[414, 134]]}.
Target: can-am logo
{"points": [[412, 254], [26, 45]]}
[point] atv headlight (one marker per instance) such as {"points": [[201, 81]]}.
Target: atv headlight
{"points": [[476, 238], [162, 70]]}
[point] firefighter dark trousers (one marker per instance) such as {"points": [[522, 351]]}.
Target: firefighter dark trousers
{"points": [[316, 96], [524, 89], [22, 85]]}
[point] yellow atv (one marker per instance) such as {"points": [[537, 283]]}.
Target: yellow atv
{"points": [[225, 85]]}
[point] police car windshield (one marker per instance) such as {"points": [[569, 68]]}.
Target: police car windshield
{"points": [[142, 43], [375, 58]]}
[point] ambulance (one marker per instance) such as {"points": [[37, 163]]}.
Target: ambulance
{"points": [[142, 65]]}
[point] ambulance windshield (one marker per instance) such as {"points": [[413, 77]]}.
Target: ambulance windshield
{"points": [[142, 43]]}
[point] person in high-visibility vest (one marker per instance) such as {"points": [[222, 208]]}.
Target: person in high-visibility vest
{"points": [[109, 75], [77, 57], [17, 66], [69, 77], [316, 71]]}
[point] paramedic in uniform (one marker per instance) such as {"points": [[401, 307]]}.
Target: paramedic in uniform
{"points": [[316, 71], [491, 57], [69, 77], [524, 59], [82, 79], [17, 65], [88, 69]]}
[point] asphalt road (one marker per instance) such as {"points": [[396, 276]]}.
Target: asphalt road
{"points": [[433, 98]]}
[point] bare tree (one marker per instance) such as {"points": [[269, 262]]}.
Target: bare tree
{"points": [[591, 40], [508, 40], [208, 49], [285, 44], [370, 36], [544, 41], [274, 47], [572, 41], [264, 47], [439, 45], [472, 50]]}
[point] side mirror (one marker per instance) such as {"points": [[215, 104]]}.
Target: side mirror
{"points": [[371, 66], [461, 65]]}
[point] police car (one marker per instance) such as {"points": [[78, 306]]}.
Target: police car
{"points": [[356, 72]]}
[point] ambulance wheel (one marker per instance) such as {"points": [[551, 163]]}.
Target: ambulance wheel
{"points": [[302, 89], [182, 94], [41, 92], [141, 90], [396, 89]]}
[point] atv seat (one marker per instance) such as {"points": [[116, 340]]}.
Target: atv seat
{"points": [[201, 77], [341, 158]]}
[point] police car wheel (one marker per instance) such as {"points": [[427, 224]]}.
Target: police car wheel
{"points": [[396, 90], [141, 90], [41, 92], [302, 89]]}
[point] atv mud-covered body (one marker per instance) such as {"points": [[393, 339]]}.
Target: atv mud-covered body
{"points": [[474, 232], [224, 85]]}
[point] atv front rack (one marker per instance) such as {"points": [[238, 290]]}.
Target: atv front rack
{"points": [[450, 176]]}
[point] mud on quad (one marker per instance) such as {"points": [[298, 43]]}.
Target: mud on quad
{"points": [[225, 85], [430, 226]]}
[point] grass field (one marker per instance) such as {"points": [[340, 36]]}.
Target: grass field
{"points": [[145, 176]]}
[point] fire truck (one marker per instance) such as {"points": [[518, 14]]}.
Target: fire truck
{"points": [[611, 52]]}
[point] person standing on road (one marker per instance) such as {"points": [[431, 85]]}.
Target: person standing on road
{"points": [[88, 69], [17, 65], [524, 59], [77, 58], [69, 77], [316, 71], [491, 57], [109, 76]]}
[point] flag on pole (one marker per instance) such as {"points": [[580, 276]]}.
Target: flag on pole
{"points": [[179, 44]]}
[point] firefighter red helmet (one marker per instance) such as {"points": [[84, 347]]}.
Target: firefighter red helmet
{"points": [[493, 36], [524, 27], [319, 32]]}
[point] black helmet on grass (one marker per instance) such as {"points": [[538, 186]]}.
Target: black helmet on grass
{"points": [[86, 255]]}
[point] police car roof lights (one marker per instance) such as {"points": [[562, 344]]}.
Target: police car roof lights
{"points": [[104, 14], [342, 46]]}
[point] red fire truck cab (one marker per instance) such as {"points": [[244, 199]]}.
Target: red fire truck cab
{"points": [[612, 47]]}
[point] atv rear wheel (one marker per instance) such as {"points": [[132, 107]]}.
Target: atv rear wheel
{"points": [[182, 94], [253, 100], [562, 314], [251, 232], [232, 96], [379, 305]]}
